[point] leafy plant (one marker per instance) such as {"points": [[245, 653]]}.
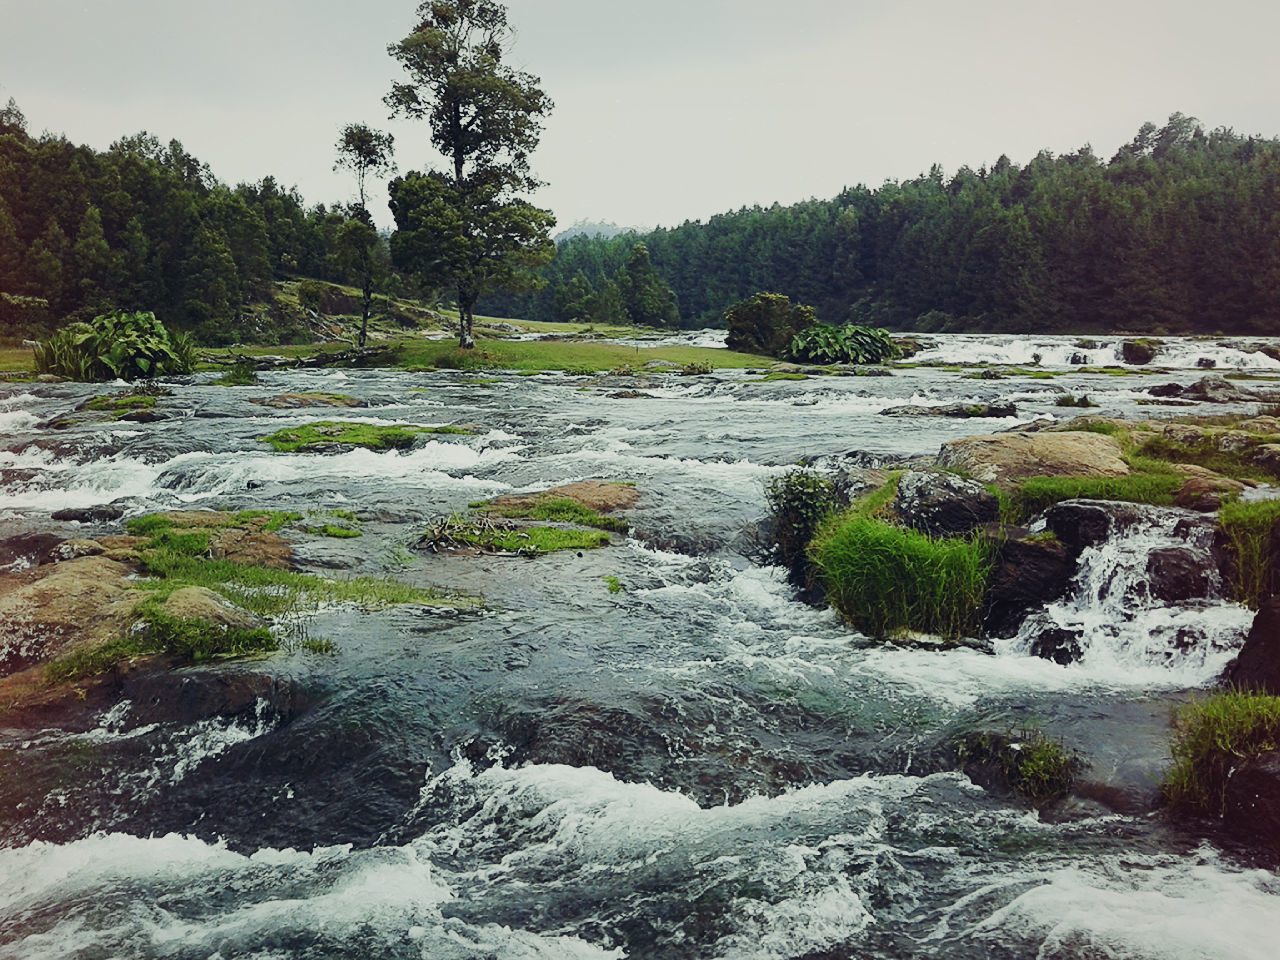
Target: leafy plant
{"points": [[800, 501], [850, 343], [116, 345]]}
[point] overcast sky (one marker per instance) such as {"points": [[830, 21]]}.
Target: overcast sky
{"points": [[666, 110]]}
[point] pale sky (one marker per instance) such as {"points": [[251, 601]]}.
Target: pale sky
{"points": [[666, 110]]}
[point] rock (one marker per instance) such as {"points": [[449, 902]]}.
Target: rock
{"points": [[71, 549], [1028, 573], [255, 548], [99, 514], [953, 410], [1267, 456], [1260, 425], [158, 696], [291, 401], [630, 395], [1139, 352], [1058, 644], [1205, 493], [599, 495], [1178, 574], [200, 603], [1251, 799], [943, 504], [1008, 457], [1086, 523], [785, 368], [1212, 389], [26, 550], [1258, 665]]}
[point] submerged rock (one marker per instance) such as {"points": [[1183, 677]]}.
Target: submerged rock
{"points": [[943, 504], [1251, 799], [1008, 457]]}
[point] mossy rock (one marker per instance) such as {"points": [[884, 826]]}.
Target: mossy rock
{"points": [[328, 436]]}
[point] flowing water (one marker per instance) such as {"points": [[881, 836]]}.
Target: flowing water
{"points": [[698, 766]]}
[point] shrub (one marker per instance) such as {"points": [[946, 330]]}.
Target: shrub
{"points": [[1211, 738], [766, 323], [887, 581], [848, 344], [116, 345], [800, 501]]}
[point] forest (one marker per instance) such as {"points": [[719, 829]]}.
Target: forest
{"points": [[146, 226], [1179, 232]]}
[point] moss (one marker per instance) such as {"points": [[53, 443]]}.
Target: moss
{"points": [[377, 437], [239, 375], [771, 377], [613, 584], [122, 402], [507, 537], [1211, 738], [888, 581]]}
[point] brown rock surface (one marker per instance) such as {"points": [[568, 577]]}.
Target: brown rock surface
{"points": [[600, 495], [201, 603], [1005, 458]]}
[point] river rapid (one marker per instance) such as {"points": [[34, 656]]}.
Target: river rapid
{"points": [[696, 766]]}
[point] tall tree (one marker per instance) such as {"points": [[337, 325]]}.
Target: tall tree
{"points": [[466, 226], [366, 153]]}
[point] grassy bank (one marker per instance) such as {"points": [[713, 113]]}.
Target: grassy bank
{"points": [[1213, 737]]}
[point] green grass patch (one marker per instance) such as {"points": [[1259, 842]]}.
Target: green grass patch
{"points": [[613, 584], [545, 355], [1204, 452], [505, 536], [1158, 487], [888, 581], [1039, 768], [771, 377], [1247, 527], [122, 402], [558, 510], [239, 375], [1211, 738], [193, 641], [378, 437]]}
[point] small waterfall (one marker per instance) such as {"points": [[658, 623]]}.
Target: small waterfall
{"points": [[1147, 599]]}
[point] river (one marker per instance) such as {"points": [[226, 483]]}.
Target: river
{"points": [[695, 766]]}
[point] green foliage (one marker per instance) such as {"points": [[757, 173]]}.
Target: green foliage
{"points": [[695, 368], [1037, 767], [888, 581], [613, 584], [1071, 400], [240, 375], [1204, 452], [324, 433], [766, 324], [1247, 527], [122, 402], [799, 502], [1212, 737], [117, 345], [848, 344]]}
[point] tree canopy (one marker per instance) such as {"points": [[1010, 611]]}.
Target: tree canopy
{"points": [[466, 225]]}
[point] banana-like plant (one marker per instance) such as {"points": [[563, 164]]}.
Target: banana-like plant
{"points": [[825, 343], [116, 346]]}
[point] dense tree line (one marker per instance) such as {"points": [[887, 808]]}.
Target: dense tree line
{"points": [[146, 226], [1179, 231]]}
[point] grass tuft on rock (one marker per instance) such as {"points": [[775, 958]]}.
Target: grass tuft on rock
{"points": [[1158, 487], [325, 433], [1037, 767], [558, 510], [888, 581], [1211, 738], [1247, 527]]}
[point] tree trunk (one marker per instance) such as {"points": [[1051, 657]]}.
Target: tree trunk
{"points": [[367, 306], [466, 339]]}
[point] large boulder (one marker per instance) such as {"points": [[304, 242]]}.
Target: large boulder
{"points": [[1029, 572], [1006, 458], [1178, 574], [1212, 389], [1258, 665], [1139, 352], [1251, 799], [943, 504]]}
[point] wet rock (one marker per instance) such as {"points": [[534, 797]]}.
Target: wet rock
{"points": [[630, 395], [26, 551], [80, 547], [161, 696], [1178, 574], [255, 548], [1029, 571], [293, 401], [943, 504], [600, 495], [1086, 523], [99, 514], [961, 410], [1258, 665], [1008, 457], [200, 603], [1204, 490], [1212, 389], [1058, 644], [1139, 352], [1251, 799]]}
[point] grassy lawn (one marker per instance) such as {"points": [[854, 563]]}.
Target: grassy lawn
{"points": [[556, 355]]}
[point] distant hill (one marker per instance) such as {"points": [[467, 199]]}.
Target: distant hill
{"points": [[592, 228]]}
